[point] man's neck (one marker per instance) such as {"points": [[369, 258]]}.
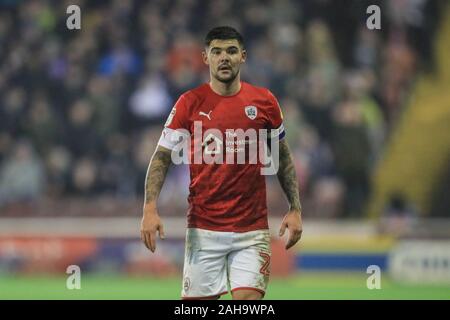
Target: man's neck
{"points": [[225, 89]]}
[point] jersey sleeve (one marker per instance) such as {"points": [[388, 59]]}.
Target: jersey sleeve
{"points": [[275, 118], [177, 125]]}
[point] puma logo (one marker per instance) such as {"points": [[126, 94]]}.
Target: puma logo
{"points": [[205, 114]]}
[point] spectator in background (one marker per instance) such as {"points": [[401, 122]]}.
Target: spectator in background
{"points": [[58, 164], [287, 38], [327, 198], [106, 111], [116, 173], [260, 68], [351, 150], [22, 177], [84, 177], [358, 86], [399, 216], [13, 110], [184, 64], [41, 124], [320, 89], [82, 137], [398, 66], [366, 50], [121, 59], [151, 102], [5, 142], [315, 154], [315, 167]]}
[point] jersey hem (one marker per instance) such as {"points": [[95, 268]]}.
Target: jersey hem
{"points": [[228, 229]]}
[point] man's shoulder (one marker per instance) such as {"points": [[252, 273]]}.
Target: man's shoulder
{"points": [[196, 93], [256, 90]]}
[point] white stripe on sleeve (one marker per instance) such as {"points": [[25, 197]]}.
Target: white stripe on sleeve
{"points": [[171, 138]]}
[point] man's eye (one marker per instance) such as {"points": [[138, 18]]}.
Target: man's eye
{"points": [[232, 51]]}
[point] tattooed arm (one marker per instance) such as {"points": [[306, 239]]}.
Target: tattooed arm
{"points": [[287, 177], [156, 174], [288, 181]]}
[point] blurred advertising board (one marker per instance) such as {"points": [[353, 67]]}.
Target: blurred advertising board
{"points": [[420, 262], [53, 254]]}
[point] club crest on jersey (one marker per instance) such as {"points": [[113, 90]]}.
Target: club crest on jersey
{"points": [[251, 112]]}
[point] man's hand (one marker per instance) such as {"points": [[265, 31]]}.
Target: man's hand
{"points": [[293, 222], [151, 222]]}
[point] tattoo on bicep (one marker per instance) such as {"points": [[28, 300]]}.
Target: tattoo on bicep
{"points": [[287, 176], [156, 175]]}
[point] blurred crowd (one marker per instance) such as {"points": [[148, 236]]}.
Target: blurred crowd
{"points": [[82, 110]]}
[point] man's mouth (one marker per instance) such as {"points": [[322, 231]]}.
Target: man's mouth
{"points": [[223, 68]]}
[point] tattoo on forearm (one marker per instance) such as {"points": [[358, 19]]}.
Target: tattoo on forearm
{"points": [[287, 176], [156, 174]]}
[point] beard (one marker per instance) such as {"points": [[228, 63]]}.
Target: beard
{"points": [[226, 78]]}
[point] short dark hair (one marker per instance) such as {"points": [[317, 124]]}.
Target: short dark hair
{"points": [[223, 33]]}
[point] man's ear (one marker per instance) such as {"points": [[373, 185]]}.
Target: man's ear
{"points": [[205, 57], [244, 55]]}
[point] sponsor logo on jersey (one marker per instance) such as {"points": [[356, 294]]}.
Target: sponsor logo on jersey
{"points": [[208, 115]]}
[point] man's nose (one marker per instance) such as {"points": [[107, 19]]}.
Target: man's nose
{"points": [[224, 56]]}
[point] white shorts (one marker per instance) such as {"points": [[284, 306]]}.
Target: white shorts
{"points": [[216, 262]]}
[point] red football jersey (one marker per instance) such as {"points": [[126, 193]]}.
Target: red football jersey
{"points": [[224, 196]]}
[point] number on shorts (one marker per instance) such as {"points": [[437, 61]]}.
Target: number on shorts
{"points": [[265, 267]]}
